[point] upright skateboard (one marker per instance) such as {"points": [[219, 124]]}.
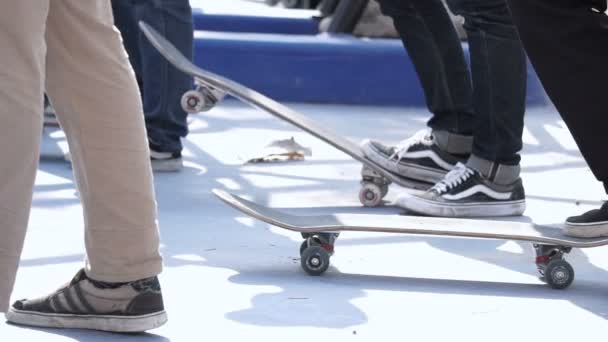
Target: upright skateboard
{"points": [[212, 88], [320, 232]]}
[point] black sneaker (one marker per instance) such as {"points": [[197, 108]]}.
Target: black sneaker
{"points": [[591, 224], [417, 158], [87, 304], [464, 192]]}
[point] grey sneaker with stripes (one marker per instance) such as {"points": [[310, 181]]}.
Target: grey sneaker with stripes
{"points": [[88, 304]]}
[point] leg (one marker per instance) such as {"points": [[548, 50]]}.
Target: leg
{"points": [[163, 84], [22, 60], [433, 45], [436, 52], [498, 67], [567, 43], [118, 289], [489, 183], [571, 63], [105, 131]]}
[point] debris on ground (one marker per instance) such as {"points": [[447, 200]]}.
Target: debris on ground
{"points": [[281, 150]]}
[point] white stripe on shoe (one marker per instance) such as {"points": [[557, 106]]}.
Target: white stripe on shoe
{"points": [[428, 154], [478, 189], [473, 209]]}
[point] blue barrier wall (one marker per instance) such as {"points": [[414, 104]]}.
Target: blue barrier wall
{"points": [[250, 23], [337, 69]]}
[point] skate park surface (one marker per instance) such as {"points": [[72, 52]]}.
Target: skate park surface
{"points": [[229, 277]]}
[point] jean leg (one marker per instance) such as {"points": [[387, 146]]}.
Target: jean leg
{"points": [[163, 84], [498, 67], [433, 45]]}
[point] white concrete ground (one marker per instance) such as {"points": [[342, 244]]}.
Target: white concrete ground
{"points": [[230, 278]]}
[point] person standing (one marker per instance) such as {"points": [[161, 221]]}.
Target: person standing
{"points": [[471, 150], [71, 48], [161, 84], [567, 43]]}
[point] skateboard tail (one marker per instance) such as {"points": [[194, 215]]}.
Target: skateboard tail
{"points": [[374, 184], [161, 44]]}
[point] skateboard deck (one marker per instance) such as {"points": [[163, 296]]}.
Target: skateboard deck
{"points": [[375, 179], [550, 244]]}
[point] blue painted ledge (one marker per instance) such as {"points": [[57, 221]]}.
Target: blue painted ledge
{"points": [[336, 69]]}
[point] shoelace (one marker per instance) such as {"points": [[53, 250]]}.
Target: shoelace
{"points": [[458, 175], [423, 137]]}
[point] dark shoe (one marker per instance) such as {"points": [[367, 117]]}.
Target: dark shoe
{"points": [[418, 157], [591, 224], [166, 161], [87, 304], [464, 192], [163, 161]]}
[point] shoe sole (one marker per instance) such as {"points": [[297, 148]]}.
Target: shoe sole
{"points": [[169, 165], [586, 230], [431, 208], [119, 324], [411, 171]]}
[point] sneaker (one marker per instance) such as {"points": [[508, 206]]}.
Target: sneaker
{"points": [[166, 161], [418, 157], [591, 224], [464, 192], [88, 304]]}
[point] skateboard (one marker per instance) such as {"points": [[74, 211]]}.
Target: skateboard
{"points": [[320, 233], [212, 88]]}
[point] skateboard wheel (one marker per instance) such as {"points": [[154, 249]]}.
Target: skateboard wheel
{"points": [[384, 190], [305, 244], [315, 260], [371, 195], [559, 274], [193, 102]]}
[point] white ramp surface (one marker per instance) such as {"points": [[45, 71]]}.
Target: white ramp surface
{"points": [[229, 277]]}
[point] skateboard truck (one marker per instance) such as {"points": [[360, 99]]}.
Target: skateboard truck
{"points": [[373, 187], [552, 266], [201, 99]]}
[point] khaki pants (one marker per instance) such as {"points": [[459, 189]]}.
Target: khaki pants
{"points": [[71, 49]]}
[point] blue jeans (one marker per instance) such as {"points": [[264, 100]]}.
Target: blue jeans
{"points": [[161, 84], [489, 101]]}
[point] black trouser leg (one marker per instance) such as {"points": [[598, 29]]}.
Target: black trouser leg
{"points": [[567, 43]]}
